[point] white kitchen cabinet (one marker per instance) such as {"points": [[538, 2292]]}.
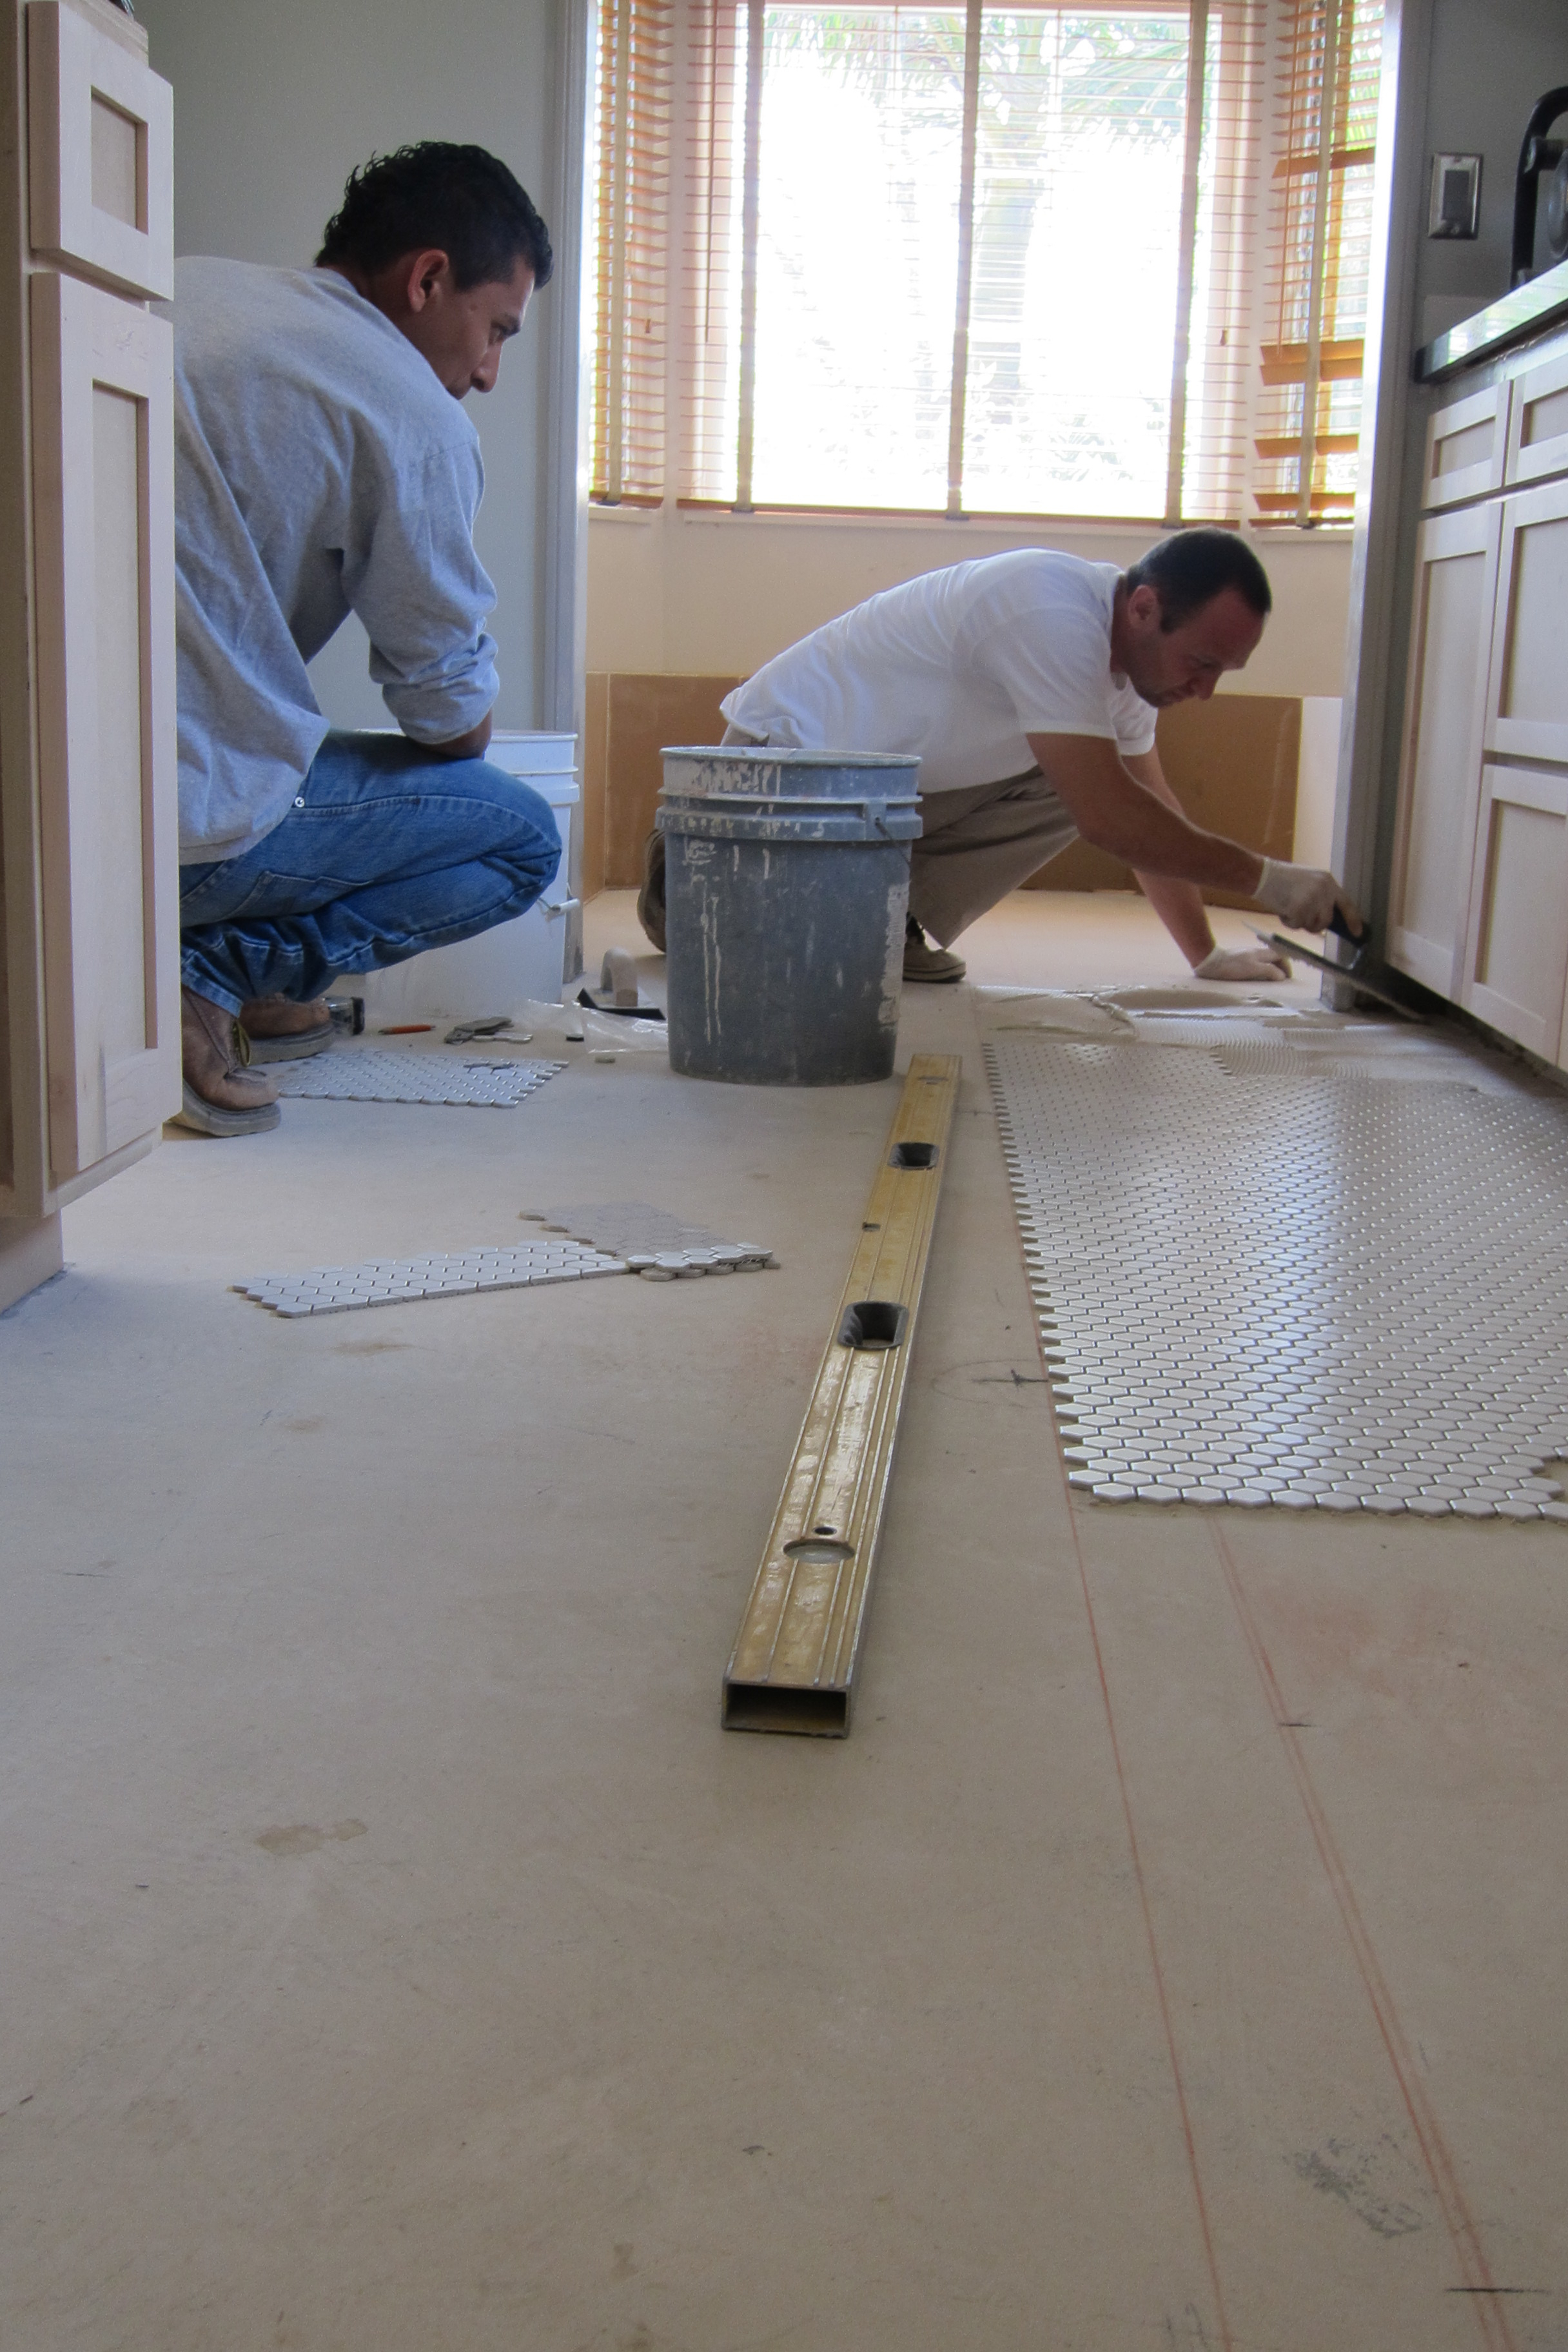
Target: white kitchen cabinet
{"points": [[1467, 443], [1478, 897], [1538, 423], [1527, 694], [1456, 561], [103, 568], [89, 1055], [101, 153], [1517, 961]]}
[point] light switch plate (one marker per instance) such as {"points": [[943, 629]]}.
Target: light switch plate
{"points": [[1455, 206]]}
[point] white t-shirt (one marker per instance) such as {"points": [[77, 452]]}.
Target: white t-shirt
{"points": [[958, 666], [320, 468]]}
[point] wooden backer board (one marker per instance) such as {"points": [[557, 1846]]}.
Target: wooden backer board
{"points": [[793, 1666]]}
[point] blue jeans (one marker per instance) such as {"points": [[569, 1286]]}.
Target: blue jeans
{"points": [[384, 853]]}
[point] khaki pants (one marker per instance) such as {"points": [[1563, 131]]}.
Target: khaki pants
{"points": [[976, 844], [979, 843]]}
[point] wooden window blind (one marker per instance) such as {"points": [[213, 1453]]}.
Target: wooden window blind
{"points": [[1034, 260], [631, 235], [1321, 240], [971, 259]]}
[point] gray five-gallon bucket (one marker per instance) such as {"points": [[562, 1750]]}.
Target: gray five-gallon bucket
{"points": [[787, 890]]}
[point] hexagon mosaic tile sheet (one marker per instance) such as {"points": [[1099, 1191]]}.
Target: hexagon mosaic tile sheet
{"points": [[365, 1073], [1263, 1278]]}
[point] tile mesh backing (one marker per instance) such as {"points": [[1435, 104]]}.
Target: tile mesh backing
{"points": [[1262, 1278]]}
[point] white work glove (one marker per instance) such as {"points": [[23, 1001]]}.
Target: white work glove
{"points": [[1303, 897], [1243, 963]]}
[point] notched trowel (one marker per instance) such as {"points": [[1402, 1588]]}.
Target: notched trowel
{"points": [[1352, 972], [617, 990]]}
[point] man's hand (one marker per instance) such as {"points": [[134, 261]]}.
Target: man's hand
{"points": [[471, 746], [1243, 963], [1304, 898]]}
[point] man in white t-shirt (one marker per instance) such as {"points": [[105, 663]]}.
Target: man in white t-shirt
{"points": [[1029, 684]]}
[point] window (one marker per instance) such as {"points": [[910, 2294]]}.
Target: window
{"points": [[987, 260]]}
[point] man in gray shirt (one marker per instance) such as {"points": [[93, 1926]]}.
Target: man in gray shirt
{"points": [[324, 465]]}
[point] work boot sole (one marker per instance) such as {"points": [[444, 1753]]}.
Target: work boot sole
{"points": [[934, 979], [211, 1119], [293, 1048]]}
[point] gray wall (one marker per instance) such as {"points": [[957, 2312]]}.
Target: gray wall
{"points": [[1491, 59], [273, 106]]}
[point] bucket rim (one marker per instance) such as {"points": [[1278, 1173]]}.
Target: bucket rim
{"points": [[782, 755]]}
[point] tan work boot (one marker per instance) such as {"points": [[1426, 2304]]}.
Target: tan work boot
{"points": [[222, 1097], [924, 961], [281, 1031]]}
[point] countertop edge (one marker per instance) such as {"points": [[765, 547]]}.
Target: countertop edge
{"points": [[1538, 303]]}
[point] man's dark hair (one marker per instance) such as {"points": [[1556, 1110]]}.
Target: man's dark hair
{"points": [[1192, 566], [459, 199]]}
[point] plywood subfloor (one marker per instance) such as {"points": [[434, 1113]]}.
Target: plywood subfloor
{"points": [[397, 1956]]}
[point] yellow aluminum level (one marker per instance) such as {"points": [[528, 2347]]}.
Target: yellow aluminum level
{"points": [[792, 1668]]}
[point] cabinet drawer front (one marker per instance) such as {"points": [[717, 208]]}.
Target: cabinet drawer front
{"points": [[1537, 427], [104, 572], [1519, 957], [99, 155], [1527, 691], [1440, 767], [1466, 446]]}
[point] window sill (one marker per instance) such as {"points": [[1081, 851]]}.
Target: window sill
{"points": [[1045, 528]]}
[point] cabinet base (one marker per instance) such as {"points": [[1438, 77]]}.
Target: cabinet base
{"points": [[30, 1252]]}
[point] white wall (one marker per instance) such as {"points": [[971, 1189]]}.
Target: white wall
{"points": [[1491, 59], [273, 106], [689, 593]]}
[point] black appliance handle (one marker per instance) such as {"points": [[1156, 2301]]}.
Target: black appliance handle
{"points": [[1544, 114]]}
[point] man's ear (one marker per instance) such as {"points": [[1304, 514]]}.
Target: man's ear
{"points": [[1143, 605], [425, 272]]}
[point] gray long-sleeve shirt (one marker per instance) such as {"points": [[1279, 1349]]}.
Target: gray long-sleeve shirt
{"points": [[320, 468]]}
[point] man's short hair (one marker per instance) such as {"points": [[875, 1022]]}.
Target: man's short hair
{"points": [[435, 196], [1192, 566]]}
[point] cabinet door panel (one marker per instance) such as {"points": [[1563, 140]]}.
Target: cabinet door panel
{"points": [[1537, 431], [100, 154], [103, 495], [1520, 916], [1455, 581], [1527, 694], [1466, 444]]}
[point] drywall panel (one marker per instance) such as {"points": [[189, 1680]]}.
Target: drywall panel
{"points": [[273, 107], [692, 594]]}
